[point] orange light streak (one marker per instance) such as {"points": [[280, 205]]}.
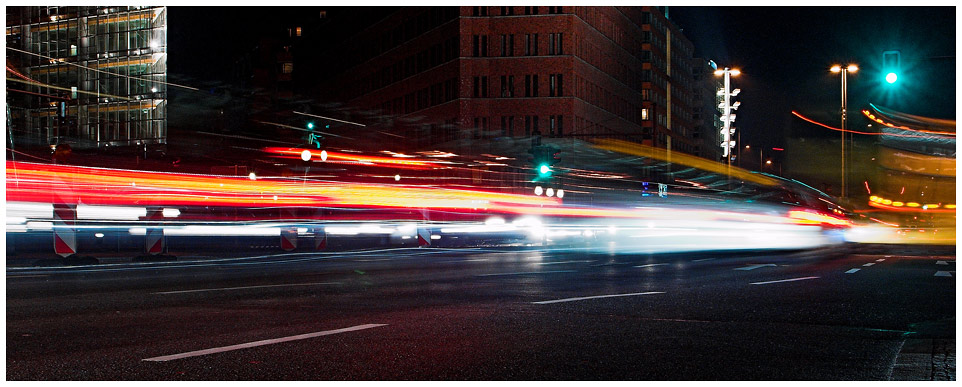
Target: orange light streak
{"points": [[855, 131]]}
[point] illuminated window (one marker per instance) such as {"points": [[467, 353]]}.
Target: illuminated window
{"points": [[298, 31], [555, 87], [644, 114], [287, 68]]}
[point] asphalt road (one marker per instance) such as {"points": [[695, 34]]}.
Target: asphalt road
{"points": [[872, 313]]}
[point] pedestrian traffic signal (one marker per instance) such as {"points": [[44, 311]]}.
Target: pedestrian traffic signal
{"points": [[544, 158], [310, 125], [544, 170], [891, 77], [891, 64]]}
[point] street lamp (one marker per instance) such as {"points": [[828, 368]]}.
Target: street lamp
{"points": [[851, 68], [727, 117]]}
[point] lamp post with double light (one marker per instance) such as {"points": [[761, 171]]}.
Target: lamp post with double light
{"points": [[851, 68]]}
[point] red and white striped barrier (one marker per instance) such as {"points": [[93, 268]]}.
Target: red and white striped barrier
{"points": [[289, 238], [64, 234], [424, 237], [155, 242]]}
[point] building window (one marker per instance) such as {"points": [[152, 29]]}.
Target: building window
{"points": [[507, 45], [530, 10], [484, 45], [555, 44], [531, 126], [480, 11], [645, 94], [531, 85], [476, 45], [287, 68], [556, 126], [507, 126], [507, 11], [644, 114], [507, 86], [555, 88], [480, 127], [480, 87], [555, 10], [531, 44]]}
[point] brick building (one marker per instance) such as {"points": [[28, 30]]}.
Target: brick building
{"points": [[706, 116], [438, 74]]}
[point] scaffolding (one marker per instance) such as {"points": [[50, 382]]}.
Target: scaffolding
{"points": [[91, 77]]}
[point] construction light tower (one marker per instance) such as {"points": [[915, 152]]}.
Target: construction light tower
{"points": [[727, 117]]}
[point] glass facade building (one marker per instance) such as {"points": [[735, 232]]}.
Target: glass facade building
{"points": [[91, 77]]}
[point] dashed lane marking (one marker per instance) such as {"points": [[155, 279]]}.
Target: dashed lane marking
{"points": [[247, 287], [652, 265], [594, 297], [526, 272], [880, 260], [753, 267], [703, 259], [869, 264], [784, 280], [262, 342], [562, 262], [942, 263], [852, 271], [943, 274]]}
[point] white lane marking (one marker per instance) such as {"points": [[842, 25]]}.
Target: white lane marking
{"points": [[562, 262], [652, 265], [247, 287], [593, 297], [467, 260], [526, 272], [852, 271], [753, 267], [25, 276], [262, 342], [703, 259], [943, 274], [784, 280], [941, 263], [880, 260], [869, 264]]}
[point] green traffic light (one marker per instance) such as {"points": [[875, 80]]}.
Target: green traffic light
{"points": [[544, 170], [891, 78]]}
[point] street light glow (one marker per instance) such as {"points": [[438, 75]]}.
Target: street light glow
{"points": [[836, 68], [852, 68], [891, 77]]}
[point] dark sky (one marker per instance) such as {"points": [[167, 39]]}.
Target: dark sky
{"points": [[784, 54]]}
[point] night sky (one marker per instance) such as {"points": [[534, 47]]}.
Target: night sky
{"points": [[784, 54]]}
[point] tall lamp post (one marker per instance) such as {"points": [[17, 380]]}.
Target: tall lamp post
{"points": [[851, 68], [727, 117]]}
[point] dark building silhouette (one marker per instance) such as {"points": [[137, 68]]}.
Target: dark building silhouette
{"points": [[439, 74]]}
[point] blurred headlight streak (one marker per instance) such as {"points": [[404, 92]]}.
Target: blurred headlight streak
{"points": [[86, 212], [171, 212], [36, 226], [203, 230], [30, 210]]}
